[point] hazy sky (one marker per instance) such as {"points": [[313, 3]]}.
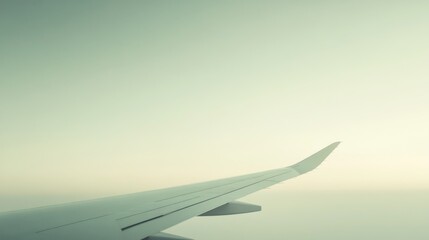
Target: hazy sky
{"points": [[100, 98], [318, 215]]}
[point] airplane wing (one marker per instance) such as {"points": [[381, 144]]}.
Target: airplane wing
{"points": [[143, 216]]}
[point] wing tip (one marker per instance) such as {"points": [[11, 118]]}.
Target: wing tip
{"points": [[313, 161]]}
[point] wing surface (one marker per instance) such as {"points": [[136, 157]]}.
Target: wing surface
{"points": [[145, 215]]}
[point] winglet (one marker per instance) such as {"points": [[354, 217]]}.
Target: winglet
{"points": [[314, 160]]}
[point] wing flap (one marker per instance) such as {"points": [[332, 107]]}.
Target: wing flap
{"points": [[234, 207], [165, 236]]}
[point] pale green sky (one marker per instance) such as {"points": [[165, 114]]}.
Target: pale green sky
{"points": [[105, 98]]}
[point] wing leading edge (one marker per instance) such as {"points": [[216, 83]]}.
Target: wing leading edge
{"points": [[145, 215]]}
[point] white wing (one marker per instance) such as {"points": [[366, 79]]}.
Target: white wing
{"points": [[144, 215]]}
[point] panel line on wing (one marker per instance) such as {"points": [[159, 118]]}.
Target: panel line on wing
{"points": [[47, 229], [171, 204], [217, 186]]}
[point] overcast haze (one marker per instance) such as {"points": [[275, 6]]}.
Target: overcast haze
{"points": [[101, 98]]}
